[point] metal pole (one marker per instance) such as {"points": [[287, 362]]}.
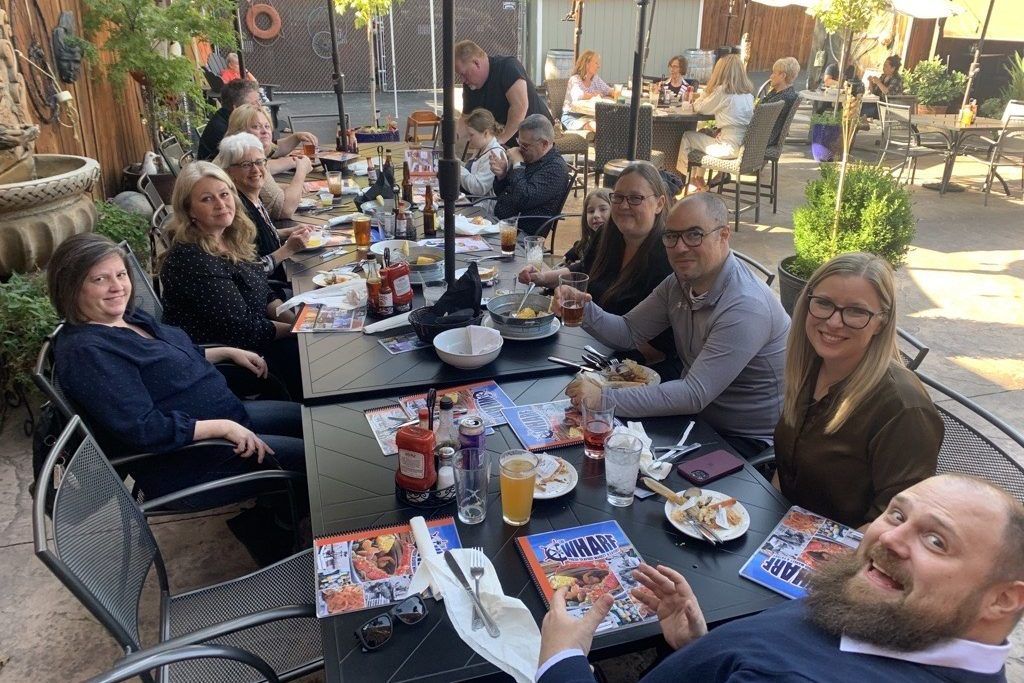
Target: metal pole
{"points": [[743, 19], [638, 81], [337, 77], [241, 43], [394, 68], [577, 11], [650, 25], [433, 54], [976, 64], [448, 167]]}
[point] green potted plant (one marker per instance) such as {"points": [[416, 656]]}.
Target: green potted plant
{"points": [[934, 86], [826, 136], [120, 225], [26, 317], [875, 217], [993, 107]]}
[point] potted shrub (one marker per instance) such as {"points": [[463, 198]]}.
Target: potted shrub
{"points": [[120, 225], [875, 217], [934, 85], [26, 317], [366, 14], [826, 136]]}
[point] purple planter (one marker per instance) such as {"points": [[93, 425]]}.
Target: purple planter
{"points": [[390, 136], [825, 141]]}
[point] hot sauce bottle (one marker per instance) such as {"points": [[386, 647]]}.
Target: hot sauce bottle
{"points": [[372, 286], [416, 470]]}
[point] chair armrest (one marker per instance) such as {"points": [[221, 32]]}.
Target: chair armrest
{"points": [[125, 459], [765, 457], [142, 661], [206, 487]]}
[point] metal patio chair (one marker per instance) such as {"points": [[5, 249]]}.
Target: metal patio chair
{"points": [[611, 144], [1007, 149], [175, 155], [144, 290], [102, 550], [569, 143], [148, 187], [774, 153], [919, 349], [902, 140], [152, 662], [769, 275]]}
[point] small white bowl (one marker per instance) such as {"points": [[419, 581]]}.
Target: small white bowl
{"points": [[453, 347]]}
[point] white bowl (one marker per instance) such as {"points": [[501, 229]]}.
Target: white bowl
{"points": [[453, 346]]}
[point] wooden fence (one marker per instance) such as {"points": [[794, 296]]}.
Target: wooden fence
{"points": [[110, 130], [774, 31]]}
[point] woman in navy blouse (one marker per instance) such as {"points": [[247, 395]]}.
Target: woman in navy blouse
{"points": [[144, 386]]}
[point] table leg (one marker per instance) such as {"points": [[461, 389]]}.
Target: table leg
{"points": [[953, 142]]}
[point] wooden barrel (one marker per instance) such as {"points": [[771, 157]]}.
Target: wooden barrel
{"points": [[558, 64], [700, 63]]}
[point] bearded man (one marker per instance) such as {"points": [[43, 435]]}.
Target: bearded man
{"points": [[931, 594]]}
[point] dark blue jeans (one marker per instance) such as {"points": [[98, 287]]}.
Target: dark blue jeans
{"points": [[278, 423]]}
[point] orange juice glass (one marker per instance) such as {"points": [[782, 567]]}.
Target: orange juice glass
{"points": [[518, 474]]}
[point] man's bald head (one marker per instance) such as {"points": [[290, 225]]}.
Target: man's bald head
{"points": [[709, 206]]}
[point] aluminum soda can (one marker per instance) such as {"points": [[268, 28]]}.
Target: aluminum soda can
{"points": [[471, 432]]}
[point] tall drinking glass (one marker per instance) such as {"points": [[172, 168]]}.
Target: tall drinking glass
{"points": [[571, 288], [621, 466], [508, 228], [361, 231], [598, 420], [472, 472], [518, 474], [534, 246], [334, 183]]}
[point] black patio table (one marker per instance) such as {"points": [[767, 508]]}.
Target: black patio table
{"points": [[351, 487]]}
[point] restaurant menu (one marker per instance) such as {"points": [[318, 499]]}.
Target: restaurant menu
{"points": [[588, 561], [322, 318], [422, 162], [485, 399], [796, 547], [540, 426], [373, 567], [384, 422]]}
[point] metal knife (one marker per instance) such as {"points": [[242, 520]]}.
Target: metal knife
{"points": [[571, 364], [460, 576]]}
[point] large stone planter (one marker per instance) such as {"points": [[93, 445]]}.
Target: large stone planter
{"points": [[37, 215]]}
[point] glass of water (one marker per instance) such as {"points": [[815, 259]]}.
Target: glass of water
{"points": [[534, 251], [432, 291], [472, 474], [621, 466]]}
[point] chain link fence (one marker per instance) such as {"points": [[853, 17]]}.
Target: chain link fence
{"points": [[298, 57]]}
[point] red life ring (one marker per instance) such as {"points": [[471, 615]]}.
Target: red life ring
{"points": [[268, 33]]}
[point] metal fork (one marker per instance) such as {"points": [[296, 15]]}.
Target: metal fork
{"points": [[476, 570]]}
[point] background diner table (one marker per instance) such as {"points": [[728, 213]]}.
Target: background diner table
{"points": [[954, 133]]}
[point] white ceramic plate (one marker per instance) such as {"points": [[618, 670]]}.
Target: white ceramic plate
{"points": [[560, 484], [394, 245], [307, 204], [342, 278], [486, 283], [725, 534], [556, 325]]}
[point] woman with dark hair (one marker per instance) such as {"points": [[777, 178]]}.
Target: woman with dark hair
{"points": [[144, 386], [676, 81], [890, 83]]}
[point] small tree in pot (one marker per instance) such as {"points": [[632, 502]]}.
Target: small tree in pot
{"points": [[934, 86], [875, 217]]}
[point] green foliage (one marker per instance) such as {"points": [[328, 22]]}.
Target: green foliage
{"points": [[26, 317], [840, 16], [364, 10], [132, 36], [992, 107], [1014, 90], [934, 84], [119, 225], [827, 118], [875, 217]]}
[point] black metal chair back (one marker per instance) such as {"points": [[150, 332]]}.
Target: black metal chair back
{"points": [[174, 154], [611, 140], [46, 379], [919, 349], [556, 88], [148, 188], [231, 661], [143, 290], [965, 450], [159, 238], [102, 548], [769, 276]]}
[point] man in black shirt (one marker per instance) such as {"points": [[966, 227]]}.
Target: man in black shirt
{"points": [[234, 94], [499, 85]]}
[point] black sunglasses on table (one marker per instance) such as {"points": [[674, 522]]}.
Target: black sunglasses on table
{"points": [[376, 632]]}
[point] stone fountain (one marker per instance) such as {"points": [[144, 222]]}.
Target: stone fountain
{"points": [[44, 198]]}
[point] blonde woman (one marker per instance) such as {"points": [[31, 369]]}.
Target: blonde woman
{"points": [[214, 286], [281, 202], [729, 97], [584, 84], [477, 178], [857, 427]]}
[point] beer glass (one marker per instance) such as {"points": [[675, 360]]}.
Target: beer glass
{"points": [[571, 290], [518, 474]]}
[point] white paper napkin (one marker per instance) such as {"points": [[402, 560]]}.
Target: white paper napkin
{"points": [[517, 649], [464, 226], [387, 324], [347, 218], [658, 470], [346, 296]]}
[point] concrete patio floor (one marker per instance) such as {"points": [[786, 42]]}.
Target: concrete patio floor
{"points": [[961, 293]]}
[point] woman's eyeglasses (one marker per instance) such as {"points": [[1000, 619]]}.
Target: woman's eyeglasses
{"points": [[259, 163], [631, 199], [853, 317], [378, 631]]}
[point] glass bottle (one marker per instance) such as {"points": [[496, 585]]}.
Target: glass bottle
{"points": [[447, 434]]}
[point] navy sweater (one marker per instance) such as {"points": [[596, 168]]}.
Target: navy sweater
{"points": [[778, 645], [141, 394]]}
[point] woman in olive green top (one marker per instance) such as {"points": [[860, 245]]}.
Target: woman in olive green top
{"points": [[857, 427]]}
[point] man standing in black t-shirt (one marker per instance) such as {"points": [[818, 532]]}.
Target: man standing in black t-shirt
{"points": [[234, 94], [499, 85]]}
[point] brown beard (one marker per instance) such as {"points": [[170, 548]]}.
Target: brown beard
{"points": [[895, 625]]}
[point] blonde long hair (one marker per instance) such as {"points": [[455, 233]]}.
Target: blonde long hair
{"points": [[729, 75], [580, 68], [801, 358], [238, 243]]}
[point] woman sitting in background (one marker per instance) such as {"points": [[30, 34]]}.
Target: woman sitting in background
{"points": [[627, 260], [242, 156], [281, 202], [889, 84], [676, 81], [477, 178], [784, 73], [729, 97], [145, 387], [584, 84], [857, 426], [596, 208], [213, 284]]}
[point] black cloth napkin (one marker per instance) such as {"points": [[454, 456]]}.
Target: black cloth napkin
{"points": [[380, 188], [461, 301]]}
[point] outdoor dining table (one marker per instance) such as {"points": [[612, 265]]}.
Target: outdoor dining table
{"points": [[832, 96], [351, 485], [954, 134]]}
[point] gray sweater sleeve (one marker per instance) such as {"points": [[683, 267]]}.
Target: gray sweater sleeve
{"points": [[737, 334]]}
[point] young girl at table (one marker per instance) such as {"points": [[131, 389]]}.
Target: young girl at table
{"points": [[729, 97], [857, 426], [596, 208], [477, 178]]}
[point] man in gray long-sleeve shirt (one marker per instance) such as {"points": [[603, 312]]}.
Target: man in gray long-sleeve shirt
{"points": [[729, 328]]}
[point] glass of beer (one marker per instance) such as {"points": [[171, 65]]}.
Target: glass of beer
{"points": [[361, 228], [309, 149], [518, 473], [334, 183], [598, 421], [571, 288], [509, 230]]}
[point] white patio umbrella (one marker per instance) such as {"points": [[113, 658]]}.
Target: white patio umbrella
{"points": [[918, 9]]}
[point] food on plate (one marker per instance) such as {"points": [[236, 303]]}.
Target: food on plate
{"points": [[560, 477], [626, 371], [380, 200], [525, 314], [479, 220], [425, 260], [488, 273], [706, 512], [332, 277]]}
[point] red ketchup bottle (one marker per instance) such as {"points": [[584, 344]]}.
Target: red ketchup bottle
{"points": [[416, 472]]}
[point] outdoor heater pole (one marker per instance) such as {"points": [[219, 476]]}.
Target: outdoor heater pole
{"points": [[638, 83], [577, 11], [241, 44], [976, 64], [337, 76], [448, 166]]}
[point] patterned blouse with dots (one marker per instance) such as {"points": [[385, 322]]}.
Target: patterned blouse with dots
{"points": [[216, 301]]}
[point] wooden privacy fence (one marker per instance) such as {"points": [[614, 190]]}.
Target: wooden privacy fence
{"points": [[774, 31]]}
